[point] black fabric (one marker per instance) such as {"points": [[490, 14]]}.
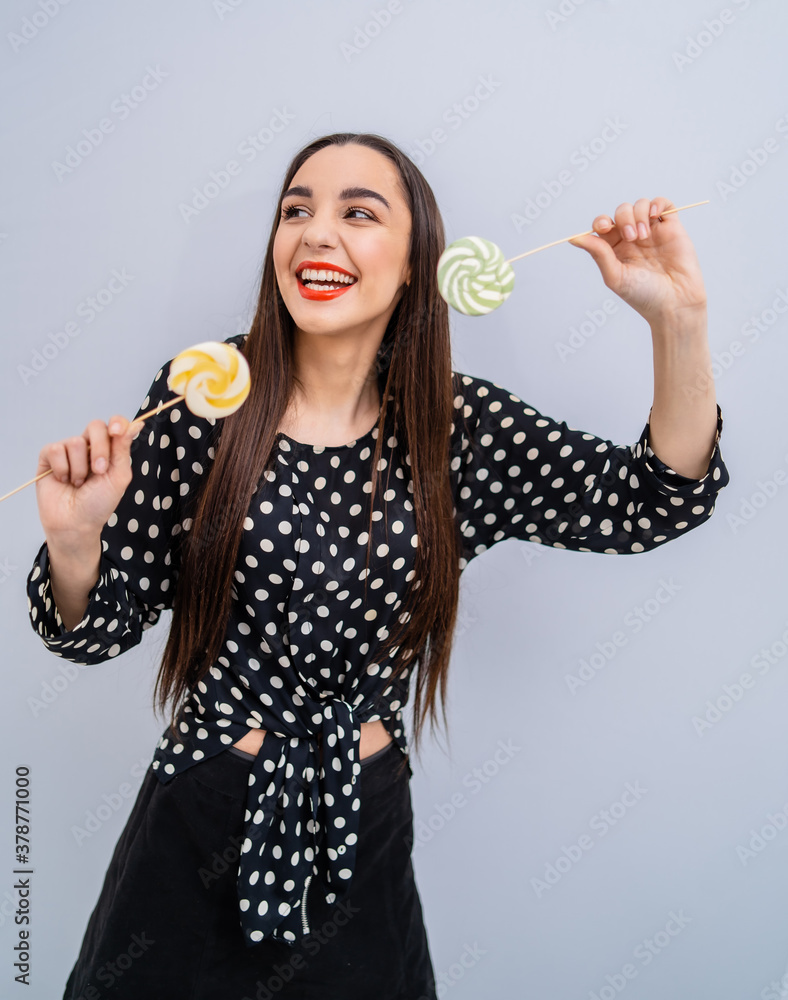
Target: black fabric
{"points": [[166, 923], [365, 762]]}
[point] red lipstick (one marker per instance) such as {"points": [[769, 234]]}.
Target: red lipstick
{"points": [[322, 294]]}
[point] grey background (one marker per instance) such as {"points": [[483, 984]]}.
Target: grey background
{"points": [[528, 615]]}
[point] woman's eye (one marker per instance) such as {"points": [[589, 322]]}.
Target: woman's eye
{"points": [[291, 212]]}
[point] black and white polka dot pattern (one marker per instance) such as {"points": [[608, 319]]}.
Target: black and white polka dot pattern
{"points": [[524, 475], [300, 652]]}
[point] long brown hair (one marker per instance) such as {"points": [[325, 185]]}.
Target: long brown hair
{"points": [[419, 380]]}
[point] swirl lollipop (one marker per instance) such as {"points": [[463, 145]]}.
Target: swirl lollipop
{"points": [[474, 278], [212, 377]]}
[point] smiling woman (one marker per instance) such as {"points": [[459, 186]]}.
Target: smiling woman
{"points": [[329, 228], [310, 546]]}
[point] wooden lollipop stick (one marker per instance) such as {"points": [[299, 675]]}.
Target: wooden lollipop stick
{"points": [[590, 231], [143, 416], [159, 408]]}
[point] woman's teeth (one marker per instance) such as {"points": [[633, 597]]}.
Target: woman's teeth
{"points": [[335, 279]]}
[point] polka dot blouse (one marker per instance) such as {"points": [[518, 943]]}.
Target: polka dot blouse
{"points": [[300, 654]]}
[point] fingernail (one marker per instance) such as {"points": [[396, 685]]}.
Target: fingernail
{"points": [[653, 212], [114, 428], [100, 464], [78, 482], [629, 232], [642, 231]]}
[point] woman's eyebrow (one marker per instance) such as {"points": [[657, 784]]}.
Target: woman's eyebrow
{"points": [[347, 195]]}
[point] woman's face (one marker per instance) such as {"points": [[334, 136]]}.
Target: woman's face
{"points": [[344, 211]]}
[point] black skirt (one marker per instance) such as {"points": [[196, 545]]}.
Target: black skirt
{"points": [[167, 924]]}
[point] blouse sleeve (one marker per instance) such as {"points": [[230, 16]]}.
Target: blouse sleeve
{"points": [[520, 474], [139, 562]]}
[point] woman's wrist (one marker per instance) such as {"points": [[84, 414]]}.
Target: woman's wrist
{"points": [[73, 544], [687, 321], [73, 573]]}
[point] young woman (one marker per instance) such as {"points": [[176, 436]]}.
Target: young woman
{"points": [[310, 547]]}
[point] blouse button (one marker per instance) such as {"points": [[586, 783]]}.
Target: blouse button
{"points": [[341, 849]]}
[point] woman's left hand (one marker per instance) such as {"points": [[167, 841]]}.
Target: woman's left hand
{"points": [[653, 269]]}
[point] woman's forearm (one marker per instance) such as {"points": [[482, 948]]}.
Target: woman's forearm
{"points": [[73, 570], [683, 420]]}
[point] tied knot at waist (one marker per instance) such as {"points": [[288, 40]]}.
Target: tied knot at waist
{"points": [[301, 819], [333, 716]]}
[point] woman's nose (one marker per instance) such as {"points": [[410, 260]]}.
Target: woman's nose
{"points": [[320, 231]]}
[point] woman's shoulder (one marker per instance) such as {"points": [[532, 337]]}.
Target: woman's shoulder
{"points": [[176, 431], [473, 393], [237, 340], [159, 390]]}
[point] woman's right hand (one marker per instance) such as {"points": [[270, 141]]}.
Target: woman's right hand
{"points": [[79, 496]]}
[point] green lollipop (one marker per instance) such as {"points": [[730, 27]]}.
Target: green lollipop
{"points": [[473, 276]]}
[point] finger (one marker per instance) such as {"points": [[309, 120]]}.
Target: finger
{"points": [[54, 457], [77, 452], [625, 221], [604, 255], [119, 427], [97, 435], [122, 432], [604, 226], [640, 210], [658, 206]]}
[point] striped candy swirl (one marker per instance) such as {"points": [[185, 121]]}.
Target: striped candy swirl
{"points": [[214, 378], [473, 276]]}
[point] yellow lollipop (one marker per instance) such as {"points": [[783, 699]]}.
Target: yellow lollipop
{"points": [[212, 377]]}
